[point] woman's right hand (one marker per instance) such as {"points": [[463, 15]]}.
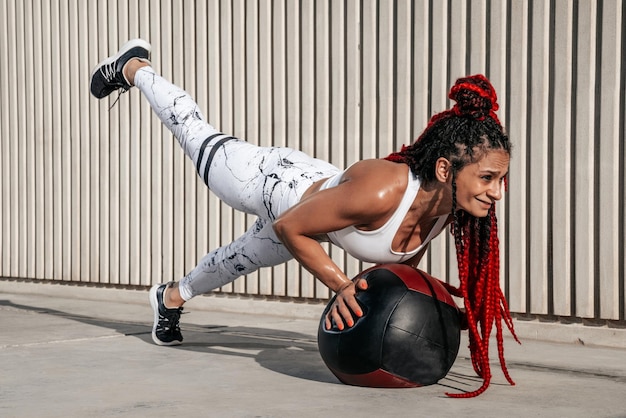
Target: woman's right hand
{"points": [[345, 304], [368, 194]]}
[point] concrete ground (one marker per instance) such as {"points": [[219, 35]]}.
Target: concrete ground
{"points": [[68, 351]]}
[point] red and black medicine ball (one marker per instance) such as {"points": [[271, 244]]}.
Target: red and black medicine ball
{"points": [[408, 336]]}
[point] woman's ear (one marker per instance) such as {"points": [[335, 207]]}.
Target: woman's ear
{"points": [[443, 170]]}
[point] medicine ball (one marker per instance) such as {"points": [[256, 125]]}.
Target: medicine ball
{"points": [[408, 336]]}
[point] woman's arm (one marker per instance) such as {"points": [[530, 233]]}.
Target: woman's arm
{"points": [[311, 255], [366, 197]]}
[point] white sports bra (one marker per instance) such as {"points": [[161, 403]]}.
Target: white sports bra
{"points": [[375, 246]]}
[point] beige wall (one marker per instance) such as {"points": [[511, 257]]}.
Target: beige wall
{"points": [[103, 195]]}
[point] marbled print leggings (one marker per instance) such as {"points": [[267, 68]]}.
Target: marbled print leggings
{"points": [[264, 181]]}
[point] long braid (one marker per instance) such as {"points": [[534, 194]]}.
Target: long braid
{"points": [[483, 298], [463, 134]]}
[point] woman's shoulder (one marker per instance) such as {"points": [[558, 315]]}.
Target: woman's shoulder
{"points": [[378, 167], [383, 179]]}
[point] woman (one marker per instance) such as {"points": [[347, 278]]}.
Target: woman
{"points": [[379, 210]]}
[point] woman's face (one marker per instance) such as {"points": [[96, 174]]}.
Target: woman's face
{"points": [[479, 185]]}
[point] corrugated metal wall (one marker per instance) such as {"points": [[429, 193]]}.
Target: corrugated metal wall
{"points": [[99, 192]]}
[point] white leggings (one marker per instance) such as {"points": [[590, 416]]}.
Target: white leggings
{"points": [[264, 181]]}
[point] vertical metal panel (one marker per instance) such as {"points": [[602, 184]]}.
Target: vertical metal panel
{"points": [[118, 166], [401, 95], [20, 106], [26, 157], [608, 95], [39, 26], [101, 160], [537, 145], [477, 18], [560, 237], [622, 175], [369, 80], [517, 98], [386, 75], [5, 214], [80, 12], [585, 176], [89, 175], [99, 193]]}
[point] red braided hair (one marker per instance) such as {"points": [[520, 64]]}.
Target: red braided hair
{"points": [[478, 257], [463, 135]]}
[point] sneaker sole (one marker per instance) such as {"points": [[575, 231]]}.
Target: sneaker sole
{"points": [[155, 308], [133, 43]]}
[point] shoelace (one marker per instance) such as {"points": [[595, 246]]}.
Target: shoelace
{"points": [[108, 71], [120, 91], [172, 316]]}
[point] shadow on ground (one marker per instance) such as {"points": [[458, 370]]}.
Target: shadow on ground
{"points": [[286, 352], [290, 353]]}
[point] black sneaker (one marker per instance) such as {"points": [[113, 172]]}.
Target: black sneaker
{"points": [[166, 328], [108, 76]]}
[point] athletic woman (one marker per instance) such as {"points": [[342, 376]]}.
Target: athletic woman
{"points": [[379, 210]]}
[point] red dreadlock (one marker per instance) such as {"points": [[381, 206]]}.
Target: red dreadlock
{"points": [[463, 135], [478, 258]]}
